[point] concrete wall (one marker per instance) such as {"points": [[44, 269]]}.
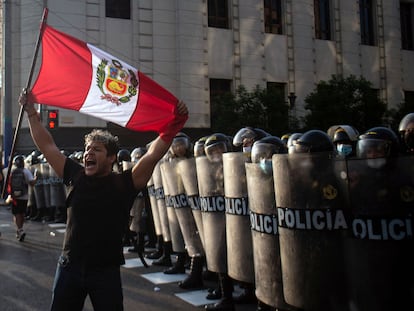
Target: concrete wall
{"points": [[171, 42]]}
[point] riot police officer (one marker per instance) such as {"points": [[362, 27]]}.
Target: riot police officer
{"points": [[311, 223], [379, 253], [211, 190], [345, 138], [406, 130], [246, 136], [179, 171], [291, 141], [263, 220]]}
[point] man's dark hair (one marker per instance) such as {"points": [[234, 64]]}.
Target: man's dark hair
{"points": [[110, 141]]}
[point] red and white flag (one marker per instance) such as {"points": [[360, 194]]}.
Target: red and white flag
{"points": [[78, 76]]}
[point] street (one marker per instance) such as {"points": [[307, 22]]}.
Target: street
{"points": [[27, 271]]}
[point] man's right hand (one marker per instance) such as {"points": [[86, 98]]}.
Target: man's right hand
{"points": [[23, 101]]}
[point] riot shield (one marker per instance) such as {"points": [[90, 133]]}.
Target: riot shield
{"points": [[38, 189], [264, 230], [312, 224], [175, 230], [238, 234], [136, 213], [187, 170], [57, 190], [154, 206], [160, 197], [211, 191], [379, 251], [182, 208], [44, 169]]}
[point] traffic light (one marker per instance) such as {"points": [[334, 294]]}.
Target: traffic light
{"points": [[52, 119]]}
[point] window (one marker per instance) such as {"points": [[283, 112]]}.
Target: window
{"points": [[406, 18], [118, 9], [219, 87], [366, 16], [322, 19], [273, 16], [221, 104], [409, 97], [218, 14], [276, 88]]}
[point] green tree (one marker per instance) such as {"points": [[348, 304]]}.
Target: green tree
{"points": [[260, 107], [341, 100]]}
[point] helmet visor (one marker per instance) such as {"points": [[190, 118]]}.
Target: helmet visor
{"points": [[373, 148], [214, 151], [179, 146]]}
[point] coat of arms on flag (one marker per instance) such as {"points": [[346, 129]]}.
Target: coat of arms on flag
{"points": [[115, 82]]}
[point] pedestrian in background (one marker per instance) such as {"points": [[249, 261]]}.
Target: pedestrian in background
{"points": [[18, 187]]}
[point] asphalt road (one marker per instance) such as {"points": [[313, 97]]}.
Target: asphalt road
{"points": [[27, 270]]}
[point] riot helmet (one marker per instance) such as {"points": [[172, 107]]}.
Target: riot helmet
{"points": [[181, 146], [123, 155], [406, 130], [199, 146], [344, 139], [18, 161], [291, 142], [246, 136], [215, 145], [78, 156], [265, 148], [314, 141], [378, 143], [285, 138], [137, 153]]}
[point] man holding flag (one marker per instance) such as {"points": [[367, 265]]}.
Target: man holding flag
{"points": [[75, 75], [97, 211]]}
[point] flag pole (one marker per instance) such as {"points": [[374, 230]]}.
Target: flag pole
{"points": [[21, 112]]}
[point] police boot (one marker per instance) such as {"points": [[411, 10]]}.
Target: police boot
{"points": [[165, 259], [226, 302], [261, 306], [158, 253], [248, 294], [137, 244], [195, 278], [39, 215], [178, 266]]}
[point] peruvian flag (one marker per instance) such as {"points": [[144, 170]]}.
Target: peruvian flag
{"points": [[78, 76]]}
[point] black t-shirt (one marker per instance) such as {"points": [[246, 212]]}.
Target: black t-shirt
{"points": [[98, 209]]}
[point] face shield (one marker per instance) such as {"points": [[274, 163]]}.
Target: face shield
{"points": [[180, 146], [214, 151], [373, 148], [244, 138]]}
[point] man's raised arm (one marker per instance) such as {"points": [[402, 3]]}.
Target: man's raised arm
{"points": [[41, 136]]}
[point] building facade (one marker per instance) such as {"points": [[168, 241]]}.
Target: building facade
{"points": [[195, 48]]}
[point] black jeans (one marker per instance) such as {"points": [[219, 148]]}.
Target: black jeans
{"points": [[74, 281]]}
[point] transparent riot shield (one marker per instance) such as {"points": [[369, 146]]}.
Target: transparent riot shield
{"points": [[211, 191], [177, 238], [265, 236], [182, 208], [45, 169], [238, 234], [39, 191], [312, 223], [57, 196], [187, 171], [160, 197], [379, 251], [154, 206]]}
